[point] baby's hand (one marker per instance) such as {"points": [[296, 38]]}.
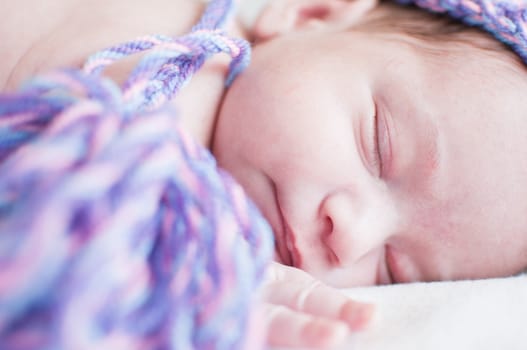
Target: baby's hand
{"points": [[303, 312]]}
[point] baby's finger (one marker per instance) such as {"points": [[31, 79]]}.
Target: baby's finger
{"points": [[299, 291], [288, 328]]}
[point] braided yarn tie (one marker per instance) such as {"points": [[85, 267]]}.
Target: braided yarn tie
{"points": [[171, 62], [118, 231]]}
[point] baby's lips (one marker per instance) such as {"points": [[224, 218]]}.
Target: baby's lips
{"points": [[357, 315]]}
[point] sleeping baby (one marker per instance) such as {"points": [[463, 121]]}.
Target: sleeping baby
{"points": [[383, 143]]}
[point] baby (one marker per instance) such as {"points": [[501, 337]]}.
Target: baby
{"points": [[383, 144]]}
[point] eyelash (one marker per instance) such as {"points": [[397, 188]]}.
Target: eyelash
{"points": [[388, 267], [376, 156]]}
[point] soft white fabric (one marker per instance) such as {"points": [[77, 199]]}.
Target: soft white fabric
{"points": [[483, 314], [480, 315]]}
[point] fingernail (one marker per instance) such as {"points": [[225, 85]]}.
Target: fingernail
{"points": [[357, 315], [326, 334]]}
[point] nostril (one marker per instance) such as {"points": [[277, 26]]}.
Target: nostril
{"points": [[326, 239], [337, 212], [328, 227]]}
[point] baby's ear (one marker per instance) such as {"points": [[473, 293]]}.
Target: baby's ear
{"points": [[283, 16]]}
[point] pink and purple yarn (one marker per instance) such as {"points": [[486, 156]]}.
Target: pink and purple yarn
{"points": [[117, 231]]}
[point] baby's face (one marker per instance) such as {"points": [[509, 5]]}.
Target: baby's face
{"points": [[376, 162]]}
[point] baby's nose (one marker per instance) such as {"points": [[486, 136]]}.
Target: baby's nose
{"points": [[356, 224]]}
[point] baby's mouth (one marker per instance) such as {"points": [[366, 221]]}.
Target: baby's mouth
{"points": [[286, 241], [282, 240]]}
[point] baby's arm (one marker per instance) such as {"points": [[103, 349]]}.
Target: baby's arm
{"points": [[303, 312]]}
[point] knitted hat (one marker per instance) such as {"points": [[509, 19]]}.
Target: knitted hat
{"points": [[505, 19]]}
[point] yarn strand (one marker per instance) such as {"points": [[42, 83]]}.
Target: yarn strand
{"points": [[118, 231]]}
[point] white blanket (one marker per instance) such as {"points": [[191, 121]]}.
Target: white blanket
{"points": [[483, 315]]}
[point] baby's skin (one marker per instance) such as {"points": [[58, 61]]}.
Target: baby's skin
{"points": [[374, 161]]}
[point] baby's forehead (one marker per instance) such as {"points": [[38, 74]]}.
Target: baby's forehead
{"points": [[436, 33], [505, 20]]}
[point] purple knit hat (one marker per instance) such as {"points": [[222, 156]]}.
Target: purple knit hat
{"points": [[505, 19]]}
